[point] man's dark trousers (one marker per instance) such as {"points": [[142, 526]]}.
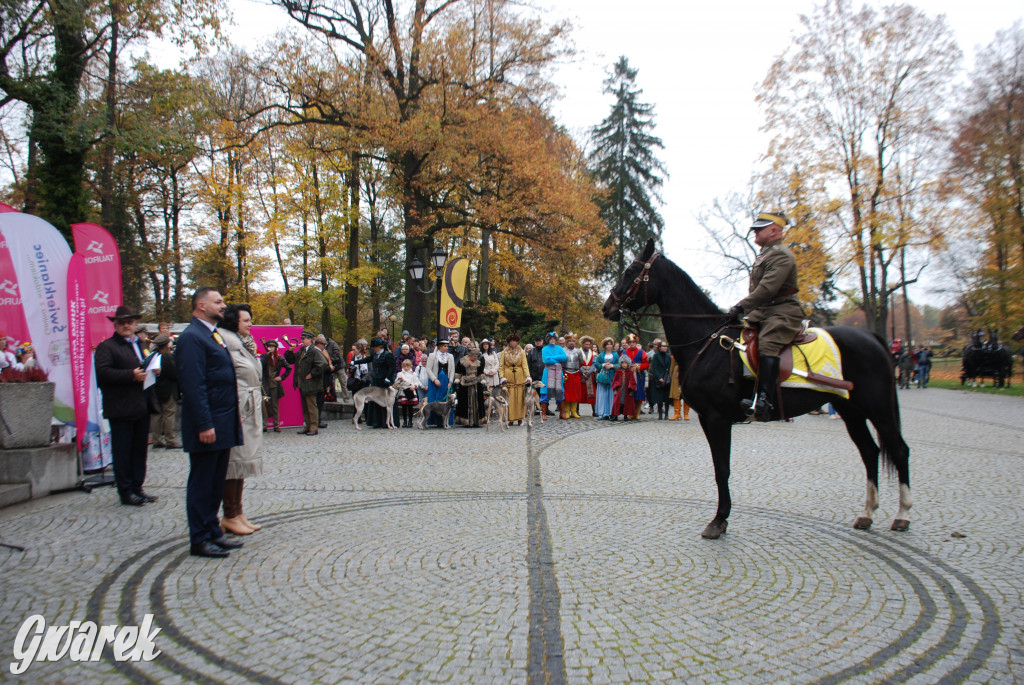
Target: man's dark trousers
{"points": [[204, 493], [129, 450]]}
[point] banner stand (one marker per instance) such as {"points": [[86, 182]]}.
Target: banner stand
{"points": [[86, 482]]}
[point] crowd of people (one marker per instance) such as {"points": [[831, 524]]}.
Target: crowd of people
{"points": [[615, 379], [913, 363]]}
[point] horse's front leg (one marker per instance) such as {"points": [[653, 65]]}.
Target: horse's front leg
{"points": [[718, 431]]}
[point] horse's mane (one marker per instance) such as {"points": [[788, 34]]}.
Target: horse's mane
{"points": [[692, 298]]}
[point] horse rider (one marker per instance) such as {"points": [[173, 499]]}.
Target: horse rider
{"points": [[771, 303]]}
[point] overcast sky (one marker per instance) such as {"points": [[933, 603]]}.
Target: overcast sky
{"points": [[699, 62]]}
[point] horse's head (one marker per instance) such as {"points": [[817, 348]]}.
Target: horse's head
{"points": [[633, 291]]}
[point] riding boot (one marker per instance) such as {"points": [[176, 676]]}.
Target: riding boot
{"points": [[675, 410], [686, 411], [767, 380], [574, 410]]}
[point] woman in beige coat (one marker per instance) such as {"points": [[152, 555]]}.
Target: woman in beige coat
{"points": [[246, 460], [514, 369]]}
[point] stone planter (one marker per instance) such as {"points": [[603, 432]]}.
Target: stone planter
{"points": [[26, 409]]}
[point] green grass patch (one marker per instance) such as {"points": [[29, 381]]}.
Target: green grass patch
{"points": [[1016, 390]]}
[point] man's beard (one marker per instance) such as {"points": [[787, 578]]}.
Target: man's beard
{"points": [[217, 316]]}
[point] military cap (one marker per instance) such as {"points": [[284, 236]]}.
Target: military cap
{"points": [[768, 218]]}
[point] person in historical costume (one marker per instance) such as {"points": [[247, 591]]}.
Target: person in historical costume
{"points": [[635, 352], [772, 305], [554, 357], [573, 380], [675, 394], [515, 370], [624, 387], [588, 374], [535, 360], [408, 400], [441, 372], [310, 367], [492, 364], [661, 379], [245, 460], [470, 407], [605, 363], [382, 375], [275, 371]]}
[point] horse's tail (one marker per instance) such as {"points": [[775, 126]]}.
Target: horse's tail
{"points": [[895, 451]]}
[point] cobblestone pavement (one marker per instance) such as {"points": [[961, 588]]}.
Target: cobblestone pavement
{"points": [[570, 553]]}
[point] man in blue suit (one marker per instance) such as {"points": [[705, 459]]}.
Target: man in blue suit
{"points": [[210, 426]]}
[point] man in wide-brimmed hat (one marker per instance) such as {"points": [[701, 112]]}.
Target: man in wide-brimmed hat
{"points": [[119, 375]]}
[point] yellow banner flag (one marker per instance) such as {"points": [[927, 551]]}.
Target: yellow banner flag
{"points": [[452, 293]]}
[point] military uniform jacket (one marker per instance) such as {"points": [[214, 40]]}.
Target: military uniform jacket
{"points": [[310, 361], [773, 286]]}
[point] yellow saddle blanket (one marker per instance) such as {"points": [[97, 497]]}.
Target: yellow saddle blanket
{"points": [[820, 356]]}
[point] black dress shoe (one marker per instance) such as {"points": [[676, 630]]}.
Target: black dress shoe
{"points": [[322, 425], [224, 543], [133, 500], [146, 496], [207, 549]]}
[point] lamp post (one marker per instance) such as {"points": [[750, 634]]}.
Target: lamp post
{"points": [[417, 271], [392, 319]]}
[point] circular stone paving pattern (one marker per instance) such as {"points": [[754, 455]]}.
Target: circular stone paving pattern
{"points": [[794, 599]]}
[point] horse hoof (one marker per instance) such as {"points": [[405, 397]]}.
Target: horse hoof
{"points": [[900, 525], [714, 530], [863, 523]]}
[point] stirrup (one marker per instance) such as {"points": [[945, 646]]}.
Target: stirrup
{"points": [[758, 406]]}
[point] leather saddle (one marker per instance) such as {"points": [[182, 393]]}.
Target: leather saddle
{"points": [[749, 336]]}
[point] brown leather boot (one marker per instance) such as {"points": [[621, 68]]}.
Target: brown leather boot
{"points": [[686, 411], [675, 410]]}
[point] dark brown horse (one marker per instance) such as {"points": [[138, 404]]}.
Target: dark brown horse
{"points": [[712, 385]]}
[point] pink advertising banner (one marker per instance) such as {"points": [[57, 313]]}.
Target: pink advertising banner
{"points": [[40, 257], [102, 277], [81, 357], [12, 317], [288, 338]]}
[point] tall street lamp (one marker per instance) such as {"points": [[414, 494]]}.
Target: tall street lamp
{"points": [[416, 272]]}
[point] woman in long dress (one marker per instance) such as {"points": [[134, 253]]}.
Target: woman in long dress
{"points": [[470, 389], [640, 362], [516, 371], [246, 460], [441, 373], [604, 364], [661, 363], [492, 364], [588, 374]]}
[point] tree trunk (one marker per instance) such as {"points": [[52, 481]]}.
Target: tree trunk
{"points": [[107, 165], [484, 295], [351, 286]]}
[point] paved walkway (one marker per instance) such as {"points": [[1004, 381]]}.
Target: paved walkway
{"points": [[570, 553]]}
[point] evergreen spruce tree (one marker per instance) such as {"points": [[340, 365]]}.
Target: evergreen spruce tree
{"points": [[624, 162]]}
